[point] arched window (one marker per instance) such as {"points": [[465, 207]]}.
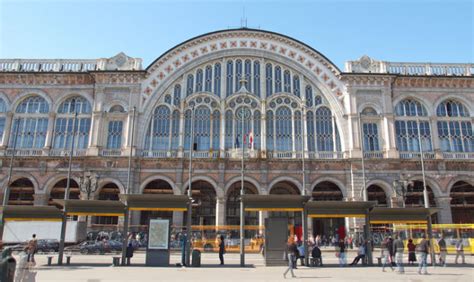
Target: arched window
{"points": [[22, 192], [277, 79], [298, 131], [31, 123], [318, 100], [324, 129], [370, 130], [248, 75], [202, 128], [310, 131], [256, 130], [287, 81], [269, 80], [3, 110], [454, 127], [229, 121], [217, 79], [187, 129], [238, 74], [108, 192], [256, 78], [168, 99], [296, 85], [406, 127], [309, 96], [216, 130], [175, 131], [230, 78], [199, 80], [177, 95], [208, 82], [159, 130], [114, 134], [283, 129], [270, 132], [190, 85]]}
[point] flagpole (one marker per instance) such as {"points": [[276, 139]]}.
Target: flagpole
{"points": [[242, 215]]}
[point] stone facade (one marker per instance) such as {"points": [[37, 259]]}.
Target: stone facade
{"points": [[121, 81]]}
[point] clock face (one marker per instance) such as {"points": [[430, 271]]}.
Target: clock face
{"points": [[120, 60], [365, 62]]}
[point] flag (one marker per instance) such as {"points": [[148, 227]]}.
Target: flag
{"points": [[250, 139], [237, 142]]}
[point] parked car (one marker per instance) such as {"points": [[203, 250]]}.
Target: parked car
{"points": [[48, 245]]}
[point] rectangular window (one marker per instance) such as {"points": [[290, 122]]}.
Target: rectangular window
{"points": [[114, 136]]}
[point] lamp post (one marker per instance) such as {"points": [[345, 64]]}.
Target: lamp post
{"points": [[190, 194], [243, 114]]}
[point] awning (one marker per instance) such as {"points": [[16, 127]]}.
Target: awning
{"points": [[337, 209], [155, 202], [380, 215], [92, 207], [274, 202], [30, 213]]}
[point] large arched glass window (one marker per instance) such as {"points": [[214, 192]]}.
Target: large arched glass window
{"points": [[64, 127], [202, 128], [284, 130], [217, 79], [248, 75], [287, 81], [310, 131], [406, 127], [296, 85], [208, 79], [190, 85], [238, 74], [3, 110], [370, 130], [199, 77], [216, 130], [175, 130], [324, 129], [31, 123], [277, 79], [159, 130], [454, 127], [230, 78], [309, 96], [256, 78], [269, 80], [256, 130], [177, 95], [229, 129], [238, 128], [270, 132]]}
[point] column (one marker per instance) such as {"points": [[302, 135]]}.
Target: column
{"points": [[444, 215], [7, 130], [181, 132], [220, 211], [263, 131], [49, 133], [40, 199], [389, 136], [95, 134], [128, 132], [435, 139], [222, 132]]}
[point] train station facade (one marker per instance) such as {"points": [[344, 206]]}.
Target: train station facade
{"points": [[368, 119]]}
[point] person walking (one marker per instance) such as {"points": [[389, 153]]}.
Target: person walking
{"points": [[411, 252], [291, 253], [31, 248], [422, 249], [442, 251], [221, 249], [385, 254], [360, 253], [342, 253], [398, 249], [184, 241], [391, 250], [459, 251]]}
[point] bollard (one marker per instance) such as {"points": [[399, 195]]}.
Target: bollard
{"points": [[50, 260], [68, 260], [7, 266]]}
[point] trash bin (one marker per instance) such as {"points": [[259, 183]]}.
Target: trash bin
{"points": [[196, 258], [7, 266]]}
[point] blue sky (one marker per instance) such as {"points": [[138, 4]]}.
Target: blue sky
{"points": [[420, 31]]}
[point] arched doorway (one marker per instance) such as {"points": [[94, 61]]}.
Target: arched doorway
{"points": [[58, 190], [108, 192], [327, 228], [287, 188], [377, 194], [462, 202], [158, 186], [21, 192], [204, 204], [415, 198]]}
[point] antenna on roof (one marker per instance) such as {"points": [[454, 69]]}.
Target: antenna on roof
{"points": [[243, 20]]}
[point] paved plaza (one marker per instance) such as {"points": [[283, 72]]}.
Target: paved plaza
{"points": [[97, 268]]}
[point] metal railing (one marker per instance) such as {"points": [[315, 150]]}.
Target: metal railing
{"points": [[39, 65], [66, 152], [429, 69], [111, 152], [25, 152], [458, 155], [373, 155], [416, 155]]}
